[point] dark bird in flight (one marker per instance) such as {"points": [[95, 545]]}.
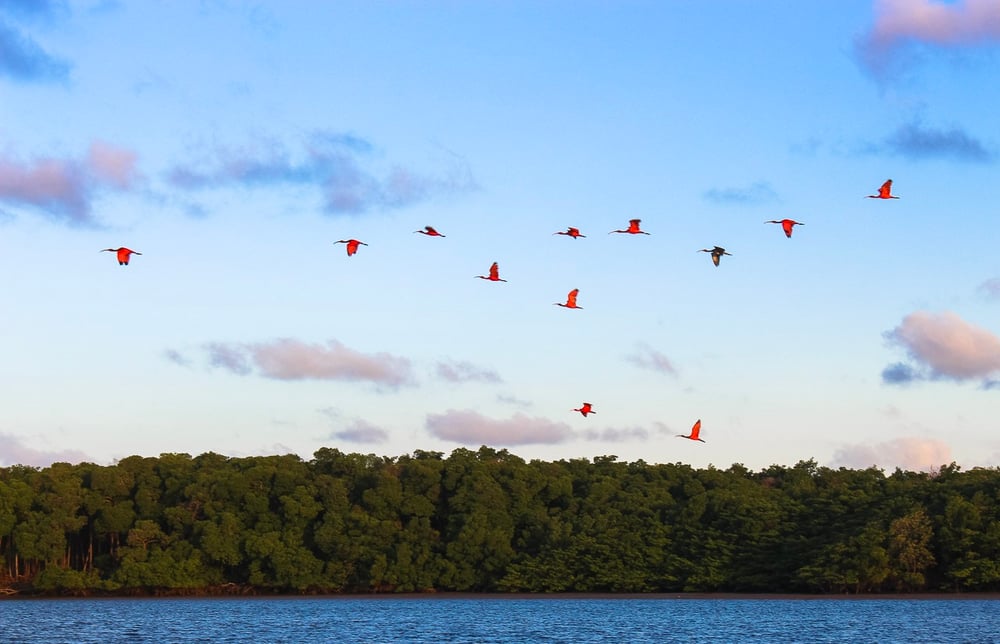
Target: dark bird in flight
{"points": [[717, 253]]}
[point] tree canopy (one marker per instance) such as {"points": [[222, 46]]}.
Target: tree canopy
{"points": [[488, 521]]}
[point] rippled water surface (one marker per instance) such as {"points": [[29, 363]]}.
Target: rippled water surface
{"points": [[500, 620]]}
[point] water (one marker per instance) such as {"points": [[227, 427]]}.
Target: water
{"points": [[488, 620]]}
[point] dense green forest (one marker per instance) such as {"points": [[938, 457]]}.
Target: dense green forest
{"points": [[488, 521]]}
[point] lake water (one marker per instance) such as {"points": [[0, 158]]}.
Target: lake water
{"points": [[492, 619]]}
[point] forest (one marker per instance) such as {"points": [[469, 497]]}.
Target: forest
{"points": [[488, 521]]}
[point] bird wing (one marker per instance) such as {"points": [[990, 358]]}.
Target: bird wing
{"points": [[696, 429], [571, 297], [886, 189], [494, 271]]}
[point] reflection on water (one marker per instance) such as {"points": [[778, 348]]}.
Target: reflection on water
{"points": [[494, 619]]}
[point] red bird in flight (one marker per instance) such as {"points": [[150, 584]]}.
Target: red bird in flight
{"points": [[494, 275], [695, 430], [786, 225], [122, 253], [430, 232], [570, 300], [633, 228], [717, 253], [885, 192], [585, 409], [570, 232], [352, 245]]}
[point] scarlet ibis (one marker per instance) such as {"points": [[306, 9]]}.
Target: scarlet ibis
{"points": [[885, 192], [786, 225], [494, 275], [633, 228], [570, 300], [585, 409], [571, 232], [717, 253], [352, 245], [122, 253], [430, 232], [695, 430]]}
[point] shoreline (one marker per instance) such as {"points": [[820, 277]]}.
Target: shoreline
{"points": [[465, 596]]}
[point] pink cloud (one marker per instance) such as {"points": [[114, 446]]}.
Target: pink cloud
{"points": [[472, 428], [913, 454], [63, 188], [949, 346], [965, 22], [13, 451], [289, 359]]}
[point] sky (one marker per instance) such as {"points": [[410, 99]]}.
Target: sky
{"points": [[232, 143]]}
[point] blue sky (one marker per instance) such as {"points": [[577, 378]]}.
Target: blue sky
{"points": [[232, 143]]}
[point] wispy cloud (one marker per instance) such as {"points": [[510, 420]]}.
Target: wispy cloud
{"points": [[177, 357], [942, 346], [649, 358], [913, 454], [916, 142], [289, 359], [615, 434], [899, 23], [14, 451], [21, 58], [62, 189], [361, 431], [462, 371], [759, 192], [341, 166], [900, 373], [472, 428], [991, 288]]}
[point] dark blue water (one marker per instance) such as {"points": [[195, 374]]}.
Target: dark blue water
{"points": [[296, 620]]}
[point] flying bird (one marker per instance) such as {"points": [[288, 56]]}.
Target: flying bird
{"points": [[494, 275], [430, 232], [570, 300], [587, 408], [885, 192], [352, 245], [717, 253], [633, 228], [786, 225], [571, 232], [695, 430], [122, 253]]}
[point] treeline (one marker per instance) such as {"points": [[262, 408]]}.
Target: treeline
{"points": [[488, 521]]}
